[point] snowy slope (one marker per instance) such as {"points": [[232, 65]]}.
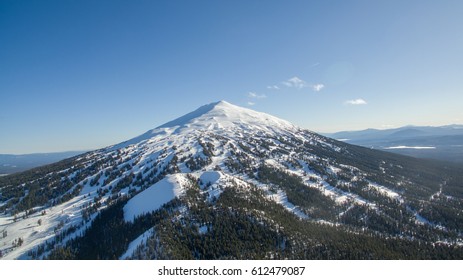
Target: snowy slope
{"points": [[220, 146], [155, 196], [218, 116], [135, 243], [52, 221]]}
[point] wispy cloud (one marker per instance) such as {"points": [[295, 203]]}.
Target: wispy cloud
{"points": [[358, 101], [256, 96], [298, 83], [317, 87], [274, 87], [251, 103], [295, 82]]}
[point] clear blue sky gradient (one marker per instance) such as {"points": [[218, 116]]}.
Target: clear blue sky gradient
{"points": [[86, 74]]}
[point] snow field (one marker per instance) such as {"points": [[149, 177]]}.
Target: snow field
{"points": [[155, 196]]}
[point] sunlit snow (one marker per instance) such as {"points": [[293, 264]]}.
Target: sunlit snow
{"points": [[155, 196]]}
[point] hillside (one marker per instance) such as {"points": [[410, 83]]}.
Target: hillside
{"points": [[225, 182]]}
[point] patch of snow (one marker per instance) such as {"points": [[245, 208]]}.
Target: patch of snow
{"points": [[155, 196], [421, 220], [210, 177], [276, 164], [340, 196], [333, 170], [281, 198], [211, 181], [385, 191], [137, 242], [341, 199]]}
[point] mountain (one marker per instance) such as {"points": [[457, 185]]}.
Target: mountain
{"points": [[441, 142], [225, 182], [10, 164], [407, 131]]}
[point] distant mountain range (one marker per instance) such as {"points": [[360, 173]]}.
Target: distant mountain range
{"points": [[437, 142], [10, 164]]}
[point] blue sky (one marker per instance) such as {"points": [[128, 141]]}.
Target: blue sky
{"points": [[86, 74]]}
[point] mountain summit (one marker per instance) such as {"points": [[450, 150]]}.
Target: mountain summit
{"points": [[225, 182], [224, 115], [218, 116]]}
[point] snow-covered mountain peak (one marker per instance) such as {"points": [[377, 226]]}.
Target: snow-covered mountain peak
{"points": [[195, 178], [218, 117], [223, 114]]}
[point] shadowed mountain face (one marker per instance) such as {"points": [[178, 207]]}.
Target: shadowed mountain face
{"points": [[443, 142], [225, 182]]}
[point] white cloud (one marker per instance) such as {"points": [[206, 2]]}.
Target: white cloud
{"points": [[275, 87], [358, 101], [251, 103], [295, 82], [256, 96], [318, 87]]}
